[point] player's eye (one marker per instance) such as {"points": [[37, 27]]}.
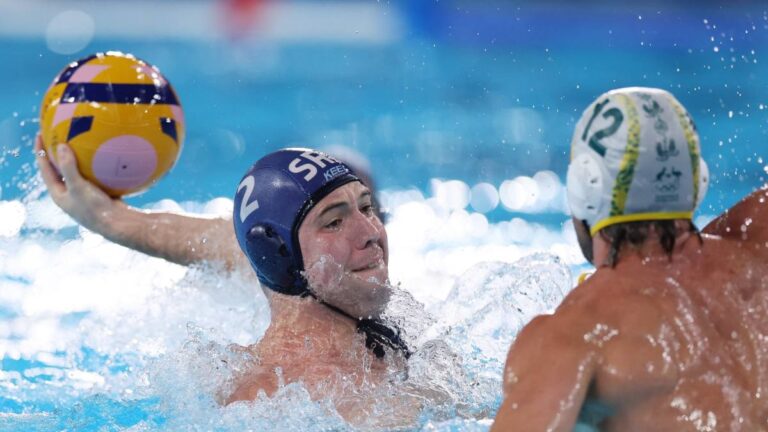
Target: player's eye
{"points": [[334, 224]]}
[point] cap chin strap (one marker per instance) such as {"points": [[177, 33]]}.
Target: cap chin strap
{"points": [[377, 333]]}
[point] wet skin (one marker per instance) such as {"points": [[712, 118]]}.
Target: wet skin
{"points": [[181, 239], [345, 251], [670, 345], [344, 246]]}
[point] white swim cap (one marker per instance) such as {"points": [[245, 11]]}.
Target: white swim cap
{"points": [[635, 156]]}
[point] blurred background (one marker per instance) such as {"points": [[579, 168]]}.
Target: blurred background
{"points": [[462, 110], [484, 92]]}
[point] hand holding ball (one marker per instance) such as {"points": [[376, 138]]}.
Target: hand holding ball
{"points": [[121, 118]]}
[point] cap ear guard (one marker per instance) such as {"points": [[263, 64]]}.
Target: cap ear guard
{"points": [[585, 184], [273, 198], [276, 270]]}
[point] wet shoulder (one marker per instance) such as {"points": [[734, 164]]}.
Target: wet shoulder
{"points": [[598, 307], [733, 273], [745, 221], [624, 321], [735, 254], [256, 381], [591, 315], [609, 295]]}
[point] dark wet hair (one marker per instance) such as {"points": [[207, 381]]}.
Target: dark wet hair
{"points": [[635, 234]]}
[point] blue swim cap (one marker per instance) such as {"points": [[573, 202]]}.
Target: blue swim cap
{"points": [[271, 202]]}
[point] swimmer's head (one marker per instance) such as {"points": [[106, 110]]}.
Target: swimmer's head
{"points": [[634, 157], [271, 202], [300, 213]]}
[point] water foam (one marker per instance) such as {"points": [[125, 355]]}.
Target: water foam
{"points": [[92, 333]]}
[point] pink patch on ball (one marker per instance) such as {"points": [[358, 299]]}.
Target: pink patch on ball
{"points": [[124, 162], [178, 115], [152, 73], [86, 73], [63, 112]]}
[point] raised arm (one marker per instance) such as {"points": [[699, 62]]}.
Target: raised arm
{"points": [[181, 239], [546, 379], [747, 220]]}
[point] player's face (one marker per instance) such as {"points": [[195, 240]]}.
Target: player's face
{"points": [[344, 245]]}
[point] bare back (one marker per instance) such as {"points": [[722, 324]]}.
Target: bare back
{"points": [[667, 345], [681, 349]]}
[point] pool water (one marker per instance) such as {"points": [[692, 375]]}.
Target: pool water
{"points": [[97, 337]]}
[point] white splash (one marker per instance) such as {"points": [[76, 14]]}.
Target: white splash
{"points": [[95, 324]]}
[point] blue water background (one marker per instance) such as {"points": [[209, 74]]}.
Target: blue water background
{"points": [[477, 91], [437, 103]]}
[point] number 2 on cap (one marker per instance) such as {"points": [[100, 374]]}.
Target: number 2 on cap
{"points": [[246, 208], [594, 140]]}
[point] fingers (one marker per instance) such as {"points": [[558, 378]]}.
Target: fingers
{"points": [[68, 165], [38, 144], [51, 178], [67, 168]]}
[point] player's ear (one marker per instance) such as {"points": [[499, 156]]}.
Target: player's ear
{"points": [[584, 238]]}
